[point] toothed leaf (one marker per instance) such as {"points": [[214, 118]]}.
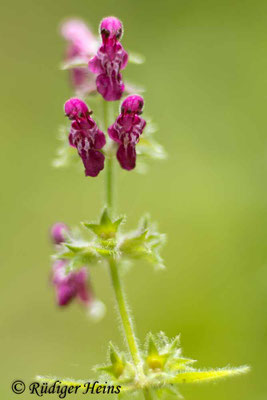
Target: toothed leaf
{"points": [[201, 376], [106, 229], [144, 243]]}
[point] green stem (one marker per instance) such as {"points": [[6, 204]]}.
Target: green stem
{"points": [[109, 161], [109, 183], [115, 278], [124, 313], [116, 282]]}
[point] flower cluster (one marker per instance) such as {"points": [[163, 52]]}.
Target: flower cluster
{"points": [[89, 140], [110, 59], [85, 61]]}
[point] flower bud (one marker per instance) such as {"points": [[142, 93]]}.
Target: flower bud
{"points": [[58, 232]]}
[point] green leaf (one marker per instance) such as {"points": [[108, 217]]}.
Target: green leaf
{"points": [[114, 355], [175, 344], [148, 147], [152, 348], [76, 248], [180, 363], [156, 359], [136, 58], [201, 376], [132, 88], [78, 253], [65, 155], [143, 243], [120, 369], [106, 229], [117, 364], [76, 62]]}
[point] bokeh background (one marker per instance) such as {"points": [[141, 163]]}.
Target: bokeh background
{"points": [[206, 84]]}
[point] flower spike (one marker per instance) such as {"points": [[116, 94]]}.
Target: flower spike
{"points": [[85, 136], [110, 59], [127, 129]]}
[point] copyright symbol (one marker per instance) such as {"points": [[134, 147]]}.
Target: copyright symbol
{"points": [[18, 387]]}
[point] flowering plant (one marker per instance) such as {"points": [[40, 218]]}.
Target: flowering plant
{"points": [[158, 368]]}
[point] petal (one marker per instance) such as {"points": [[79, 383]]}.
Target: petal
{"points": [[84, 291], [126, 156], [99, 140], [110, 88], [84, 295], [79, 76], [81, 276], [72, 137], [78, 33], [95, 65], [65, 294], [74, 107], [58, 232], [114, 134], [93, 161], [125, 58], [59, 275]]}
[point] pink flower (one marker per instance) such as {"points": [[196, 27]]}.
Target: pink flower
{"points": [[127, 130], [58, 232], [70, 285], [111, 58], [82, 45], [85, 136]]}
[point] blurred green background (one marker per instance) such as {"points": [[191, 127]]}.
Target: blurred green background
{"points": [[206, 83]]}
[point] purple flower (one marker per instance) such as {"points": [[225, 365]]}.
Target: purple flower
{"points": [[110, 59], [58, 232], [85, 136], [70, 285], [82, 45], [127, 130]]}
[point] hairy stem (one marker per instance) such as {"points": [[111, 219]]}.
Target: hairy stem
{"points": [[109, 161], [109, 183], [124, 313], [115, 278]]}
